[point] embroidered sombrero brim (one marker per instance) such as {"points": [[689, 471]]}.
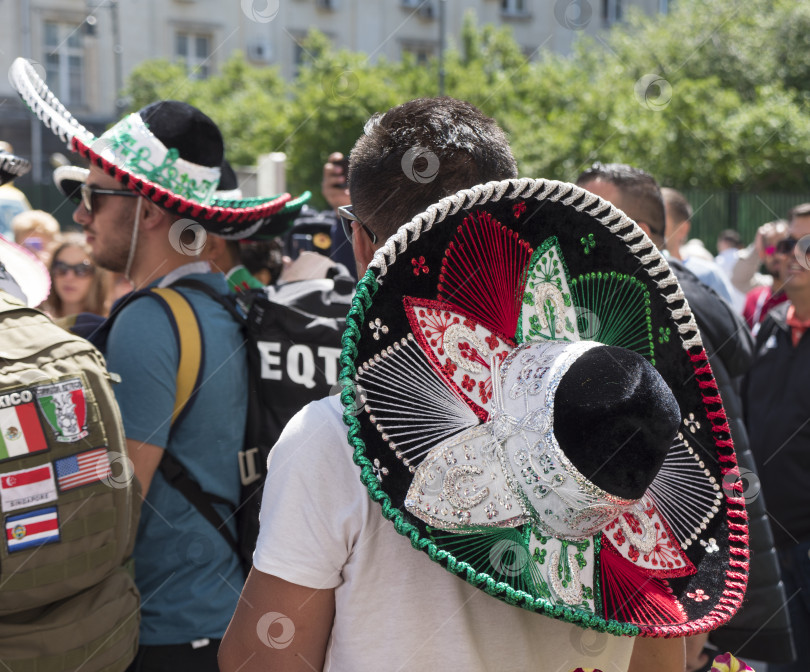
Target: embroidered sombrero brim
{"points": [[68, 179], [492, 271], [130, 143], [279, 223], [12, 167]]}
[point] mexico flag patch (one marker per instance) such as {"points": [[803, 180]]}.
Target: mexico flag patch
{"points": [[34, 528], [64, 407], [20, 431]]}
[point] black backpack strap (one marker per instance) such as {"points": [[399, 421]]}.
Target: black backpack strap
{"points": [[177, 476]]}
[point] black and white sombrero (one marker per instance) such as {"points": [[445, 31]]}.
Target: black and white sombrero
{"points": [[169, 152], [12, 167], [530, 402]]}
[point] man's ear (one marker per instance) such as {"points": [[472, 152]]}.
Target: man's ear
{"points": [[214, 249], [643, 226], [152, 215], [364, 249]]}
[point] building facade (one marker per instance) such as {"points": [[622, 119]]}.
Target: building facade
{"points": [[86, 48]]}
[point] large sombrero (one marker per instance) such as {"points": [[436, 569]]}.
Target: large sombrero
{"points": [[514, 361], [169, 152], [68, 179], [12, 167]]}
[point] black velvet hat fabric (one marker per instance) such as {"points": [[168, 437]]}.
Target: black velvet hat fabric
{"points": [[188, 130], [616, 419]]}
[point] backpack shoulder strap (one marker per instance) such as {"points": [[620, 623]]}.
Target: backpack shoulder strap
{"points": [[189, 373], [190, 345]]}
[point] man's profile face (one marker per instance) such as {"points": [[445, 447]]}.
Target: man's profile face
{"points": [[109, 227], [675, 232]]}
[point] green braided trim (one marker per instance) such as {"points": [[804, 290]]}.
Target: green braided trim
{"points": [[366, 289], [241, 203]]}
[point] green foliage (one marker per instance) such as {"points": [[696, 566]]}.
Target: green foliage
{"points": [[713, 95]]}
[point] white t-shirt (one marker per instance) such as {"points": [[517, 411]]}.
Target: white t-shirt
{"points": [[395, 609]]}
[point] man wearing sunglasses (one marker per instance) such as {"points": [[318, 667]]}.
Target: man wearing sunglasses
{"points": [[184, 568], [777, 396]]}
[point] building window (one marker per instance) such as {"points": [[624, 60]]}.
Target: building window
{"points": [[64, 62], [422, 51], [514, 7], [195, 50], [611, 12]]}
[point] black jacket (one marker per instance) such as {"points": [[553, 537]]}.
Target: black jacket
{"points": [[777, 398], [760, 629]]}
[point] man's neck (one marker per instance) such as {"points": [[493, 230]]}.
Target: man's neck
{"points": [[169, 268], [801, 303]]}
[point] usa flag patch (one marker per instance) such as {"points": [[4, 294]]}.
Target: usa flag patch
{"points": [[82, 468], [31, 529]]}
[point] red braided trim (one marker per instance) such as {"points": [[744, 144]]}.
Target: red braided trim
{"points": [[178, 203], [736, 527], [736, 575], [742, 564], [740, 538]]}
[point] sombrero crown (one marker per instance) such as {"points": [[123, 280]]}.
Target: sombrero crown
{"points": [[529, 400], [169, 152]]}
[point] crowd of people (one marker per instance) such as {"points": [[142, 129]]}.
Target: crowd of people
{"points": [[335, 582]]}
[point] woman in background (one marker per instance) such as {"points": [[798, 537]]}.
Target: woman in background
{"points": [[78, 285]]}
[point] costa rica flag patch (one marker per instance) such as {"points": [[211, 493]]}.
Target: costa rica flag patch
{"points": [[34, 528]]}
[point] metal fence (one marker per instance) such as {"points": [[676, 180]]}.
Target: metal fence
{"points": [[745, 212], [713, 210]]}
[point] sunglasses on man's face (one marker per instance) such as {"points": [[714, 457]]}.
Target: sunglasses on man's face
{"points": [[87, 192], [81, 270], [347, 216]]}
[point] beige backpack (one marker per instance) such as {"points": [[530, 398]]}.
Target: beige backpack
{"points": [[69, 504]]}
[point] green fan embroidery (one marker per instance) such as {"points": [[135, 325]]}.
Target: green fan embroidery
{"points": [[614, 309]]}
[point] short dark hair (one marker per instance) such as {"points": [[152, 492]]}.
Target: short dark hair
{"points": [[644, 202], [419, 152], [677, 204], [730, 236], [801, 210]]}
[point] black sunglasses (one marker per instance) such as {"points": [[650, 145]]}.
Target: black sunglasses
{"points": [[81, 270], [347, 216], [786, 245], [87, 192]]}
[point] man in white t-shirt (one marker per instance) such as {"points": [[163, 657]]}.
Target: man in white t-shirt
{"points": [[334, 586]]}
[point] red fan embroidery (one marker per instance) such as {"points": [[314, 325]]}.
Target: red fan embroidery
{"points": [[629, 595], [484, 272], [459, 347], [665, 559]]}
